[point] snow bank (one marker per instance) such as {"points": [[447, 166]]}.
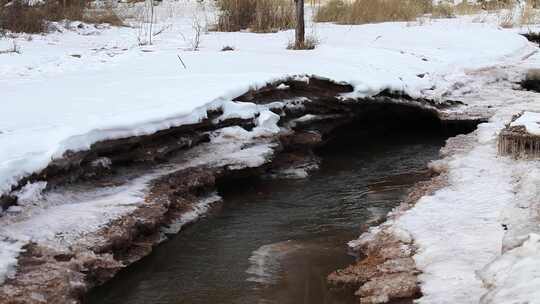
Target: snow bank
{"points": [[448, 252], [490, 205], [55, 101], [66, 218]]}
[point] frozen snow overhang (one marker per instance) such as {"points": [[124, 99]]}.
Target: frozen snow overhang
{"points": [[521, 137]]}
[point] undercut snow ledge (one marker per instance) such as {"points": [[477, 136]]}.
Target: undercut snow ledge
{"points": [[58, 103]]}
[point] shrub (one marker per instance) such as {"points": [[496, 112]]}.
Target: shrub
{"points": [[99, 16], [332, 11], [495, 5], [466, 8], [18, 16], [529, 15], [516, 16], [443, 10], [258, 15]]}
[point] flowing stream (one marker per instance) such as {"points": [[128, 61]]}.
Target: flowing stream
{"points": [[275, 241]]}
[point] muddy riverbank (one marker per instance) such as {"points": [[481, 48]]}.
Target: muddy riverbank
{"points": [[175, 174], [275, 241]]}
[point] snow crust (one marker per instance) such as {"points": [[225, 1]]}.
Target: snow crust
{"points": [[474, 235], [67, 218], [198, 210], [531, 122], [515, 275], [449, 252]]}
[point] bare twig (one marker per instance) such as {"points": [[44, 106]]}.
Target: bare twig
{"points": [[168, 26]]}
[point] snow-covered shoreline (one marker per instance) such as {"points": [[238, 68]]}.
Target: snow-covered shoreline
{"points": [[474, 238], [55, 102], [116, 91]]}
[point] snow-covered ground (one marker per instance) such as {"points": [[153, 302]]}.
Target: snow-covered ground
{"points": [[477, 238], [69, 89], [54, 101]]}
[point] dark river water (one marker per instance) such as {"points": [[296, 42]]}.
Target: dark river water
{"points": [[275, 241]]}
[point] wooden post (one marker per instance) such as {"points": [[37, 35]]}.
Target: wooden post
{"points": [[300, 25]]}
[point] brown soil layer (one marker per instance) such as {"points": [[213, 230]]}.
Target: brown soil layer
{"points": [[45, 275]]}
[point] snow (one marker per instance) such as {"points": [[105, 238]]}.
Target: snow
{"points": [[529, 120], [9, 251], [461, 228], [30, 193], [449, 253], [83, 84], [66, 218], [58, 102], [515, 275]]}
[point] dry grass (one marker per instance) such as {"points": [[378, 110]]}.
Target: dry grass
{"points": [[449, 10], [513, 16], [506, 19], [529, 15], [310, 43], [443, 10], [497, 5], [99, 16], [103, 16], [260, 16], [332, 11], [466, 8], [372, 11]]}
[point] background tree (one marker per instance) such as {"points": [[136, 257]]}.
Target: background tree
{"points": [[300, 25]]}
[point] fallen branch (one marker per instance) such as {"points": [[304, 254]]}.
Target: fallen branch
{"points": [[162, 30], [182, 61]]}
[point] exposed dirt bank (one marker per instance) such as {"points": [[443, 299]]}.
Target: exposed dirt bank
{"points": [[311, 112], [386, 270]]}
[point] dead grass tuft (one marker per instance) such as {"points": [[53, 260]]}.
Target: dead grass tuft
{"points": [[516, 142], [310, 43], [443, 10], [332, 11], [98, 16], [261, 16]]}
